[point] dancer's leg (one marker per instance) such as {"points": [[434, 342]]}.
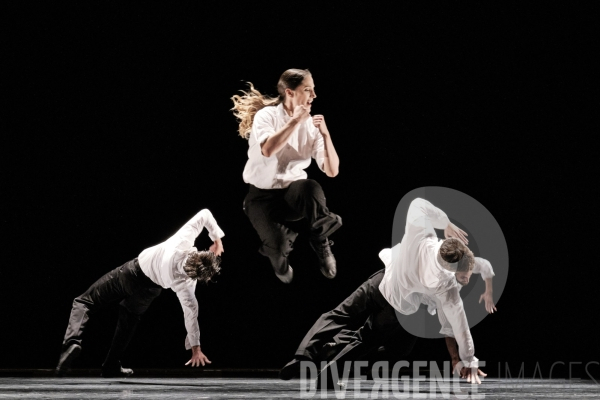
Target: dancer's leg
{"points": [[349, 315], [380, 336], [141, 292], [106, 290], [130, 314], [266, 211], [381, 332], [306, 198]]}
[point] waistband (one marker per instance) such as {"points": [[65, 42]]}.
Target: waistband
{"points": [[143, 277], [254, 189]]}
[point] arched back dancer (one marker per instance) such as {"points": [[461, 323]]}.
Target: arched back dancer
{"points": [[282, 138], [175, 264]]}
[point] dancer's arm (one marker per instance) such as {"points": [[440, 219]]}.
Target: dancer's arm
{"points": [[422, 211], [277, 140], [424, 216], [189, 304], [483, 267], [455, 359], [331, 161], [453, 350], [453, 309], [187, 234]]}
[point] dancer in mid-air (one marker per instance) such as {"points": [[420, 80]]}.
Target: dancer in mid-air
{"points": [[282, 138], [447, 265], [174, 264]]}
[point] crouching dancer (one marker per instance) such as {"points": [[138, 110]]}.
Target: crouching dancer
{"points": [[422, 269], [174, 264]]}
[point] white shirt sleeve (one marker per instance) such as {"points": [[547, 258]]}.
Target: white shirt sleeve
{"points": [[483, 267], [318, 150], [187, 234], [189, 304], [446, 327], [385, 256], [263, 126], [454, 314], [422, 211]]}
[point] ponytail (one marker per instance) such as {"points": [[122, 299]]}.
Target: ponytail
{"points": [[246, 106]]}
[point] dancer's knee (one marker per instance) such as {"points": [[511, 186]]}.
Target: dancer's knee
{"points": [[82, 303], [309, 187]]}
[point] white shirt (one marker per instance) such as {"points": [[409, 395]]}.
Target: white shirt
{"points": [[415, 275], [288, 164], [163, 264], [482, 266]]}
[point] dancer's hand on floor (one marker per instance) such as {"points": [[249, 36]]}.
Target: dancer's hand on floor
{"points": [[198, 358], [217, 247], [471, 374], [455, 232], [490, 307]]}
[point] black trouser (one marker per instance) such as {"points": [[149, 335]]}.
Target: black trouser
{"points": [[345, 325], [127, 284], [271, 210]]}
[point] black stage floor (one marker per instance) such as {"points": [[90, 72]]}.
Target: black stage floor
{"points": [[270, 388]]}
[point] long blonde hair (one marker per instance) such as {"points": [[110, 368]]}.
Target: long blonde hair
{"points": [[247, 105]]}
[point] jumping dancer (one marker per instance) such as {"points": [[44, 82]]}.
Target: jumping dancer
{"points": [[174, 264], [282, 138]]}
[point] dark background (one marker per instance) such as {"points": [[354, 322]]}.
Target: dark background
{"points": [[116, 130]]}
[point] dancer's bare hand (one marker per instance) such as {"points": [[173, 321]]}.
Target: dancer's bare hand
{"points": [[301, 113], [198, 357], [217, 247], [319, 122], [489, 302], [455, 232], [471, 374]]}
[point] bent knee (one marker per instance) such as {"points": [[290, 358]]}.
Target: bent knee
{"points": [[309, 187]]}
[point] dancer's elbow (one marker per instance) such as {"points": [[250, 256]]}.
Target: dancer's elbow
{"points": [[332, 174]]}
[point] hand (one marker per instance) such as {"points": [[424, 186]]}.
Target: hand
{"points": [[217, 247], [319, 122], [301, 113], [471, 374], [198, 358], [489, 302], [455, 232]]}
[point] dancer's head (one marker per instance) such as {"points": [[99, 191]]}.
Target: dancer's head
{"points": [[202, 265], [295, 87], [454, 251]]}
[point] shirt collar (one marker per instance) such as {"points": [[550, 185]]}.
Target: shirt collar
{"points": [[282, 112]]}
